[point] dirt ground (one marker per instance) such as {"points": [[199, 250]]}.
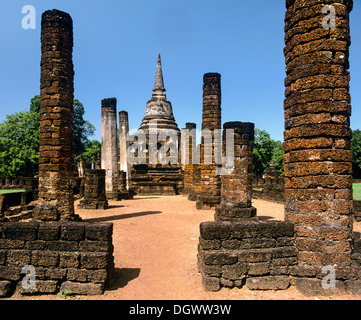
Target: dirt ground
{"points": [[155, 247]]}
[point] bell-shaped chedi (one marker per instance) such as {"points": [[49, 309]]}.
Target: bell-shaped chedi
{"points": [[158, 108], [154, 151]]}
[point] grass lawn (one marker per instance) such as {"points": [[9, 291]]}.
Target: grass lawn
{"points": [[356, 191], [10, 191]]}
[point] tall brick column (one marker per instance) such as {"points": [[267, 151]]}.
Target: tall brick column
{"points": [[318, 168], [56, 151], [190, 149], [109, 152], [236, 191], [211, 120], [123, 143]]}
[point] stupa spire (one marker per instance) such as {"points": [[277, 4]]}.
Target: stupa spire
{"points": [[158, 82]]}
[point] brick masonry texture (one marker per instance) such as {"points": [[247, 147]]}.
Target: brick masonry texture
{"points": [[236, 191], [75, 256], [210, 184], [265, 255], [94, 190], [318, 167], [56, 154], [258, 254], [189, 166], [109, 151]]}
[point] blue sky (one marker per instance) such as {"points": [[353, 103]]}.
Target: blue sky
{"points": [[116, 44]]}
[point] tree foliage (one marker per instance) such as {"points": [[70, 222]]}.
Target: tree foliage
{"points": [[356, 153], [92, 148], [19, 139], [19, 144], [266, 149]]}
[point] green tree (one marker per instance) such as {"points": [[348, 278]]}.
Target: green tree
{"points": [[82, 128], [19, 144], [266, 149], [19, 139], [356, 153], [278, 155], [92, 148]]}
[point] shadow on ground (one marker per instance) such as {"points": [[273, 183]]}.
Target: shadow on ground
{"points": [[122, 216], [113, 206], [145, 197], [122, 276], [265, 218]]}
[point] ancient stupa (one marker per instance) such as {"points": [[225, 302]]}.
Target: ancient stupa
{"points": [[160, 172]]}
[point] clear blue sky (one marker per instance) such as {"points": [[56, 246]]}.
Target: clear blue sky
{"points": [[116, 44]]}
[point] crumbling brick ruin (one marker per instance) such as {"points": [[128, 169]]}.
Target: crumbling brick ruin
{"points": [[73, 256], [236, 192], [190, 146], [318, 161], [109, 152], [156, 169], [317, 233], [56, 150], [210, 191], [94, 190], [124, 145], [236, 249], [60, 255]]}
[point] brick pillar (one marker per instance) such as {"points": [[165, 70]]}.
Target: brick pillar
{"points": [[94, 190], [196, 176], [236, 192], [109, 152], [56, 151], [211, 120], [190, 149], [318, 168], [123, 143]]}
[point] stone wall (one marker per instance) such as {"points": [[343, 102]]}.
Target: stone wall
{"points": [[73, 256], [258, 254], [269, 189], [264, 255]]}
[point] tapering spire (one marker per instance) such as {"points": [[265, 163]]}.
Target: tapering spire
{"points": [[158, 82]]}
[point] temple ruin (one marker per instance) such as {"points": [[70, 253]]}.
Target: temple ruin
{"points": [[156, 168], [237, 248]]}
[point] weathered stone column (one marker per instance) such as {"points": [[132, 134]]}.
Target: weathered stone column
{"points": [[211, 121], [236, 191], [94, 190], [109, 151], [196, 176], [188, 153], [123, 143], [56, 151], [318, 168]]}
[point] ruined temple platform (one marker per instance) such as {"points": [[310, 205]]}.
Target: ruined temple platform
{"points": [[155, 248]]}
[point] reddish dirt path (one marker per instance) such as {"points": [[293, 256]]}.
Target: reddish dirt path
{"points": [[155, 247]]}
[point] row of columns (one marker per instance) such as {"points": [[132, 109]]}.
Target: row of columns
{"points": [[318, 171]]}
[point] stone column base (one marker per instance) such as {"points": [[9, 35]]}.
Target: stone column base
{"points": [[207, 202], [226, 213]]}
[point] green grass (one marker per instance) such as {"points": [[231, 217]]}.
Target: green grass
{"points": [[10, 191], [356, 191]]}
